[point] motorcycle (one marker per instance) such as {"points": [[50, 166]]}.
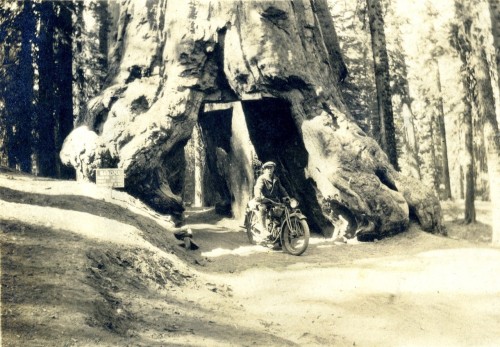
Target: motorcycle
{"points": [[286, 224]]}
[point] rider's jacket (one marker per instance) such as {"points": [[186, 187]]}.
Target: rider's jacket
{"points": [[271, 189]]}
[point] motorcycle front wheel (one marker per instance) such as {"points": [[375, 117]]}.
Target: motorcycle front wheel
{"points": [[295, 237]]}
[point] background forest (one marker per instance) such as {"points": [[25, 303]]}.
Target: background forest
{"points": [[421, 78]]}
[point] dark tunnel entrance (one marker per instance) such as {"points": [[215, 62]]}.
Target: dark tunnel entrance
{"points": [[228, 140], [276, 138], [215, 132]]}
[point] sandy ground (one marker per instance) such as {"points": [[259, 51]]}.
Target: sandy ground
{"points": [[82, 266]]}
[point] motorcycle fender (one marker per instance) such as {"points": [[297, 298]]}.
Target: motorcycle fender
{"points": [[298, 215]]}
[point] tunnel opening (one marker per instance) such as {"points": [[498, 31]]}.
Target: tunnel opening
{"points": [[207, 156], [229, 142], [275, 137], [216, 133]]}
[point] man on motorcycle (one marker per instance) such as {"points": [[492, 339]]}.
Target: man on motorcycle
{"points": [[268, 186]]}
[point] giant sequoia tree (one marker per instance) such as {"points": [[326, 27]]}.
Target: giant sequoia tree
{"points": [[261, 80]]}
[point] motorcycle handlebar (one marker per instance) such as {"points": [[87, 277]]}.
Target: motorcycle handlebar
{"points": [[273, 202], [268, 201]]}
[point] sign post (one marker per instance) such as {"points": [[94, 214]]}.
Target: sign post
{"points": [[112, 178]]}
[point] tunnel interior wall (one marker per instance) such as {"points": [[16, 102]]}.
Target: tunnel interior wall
{"points": [[275, 137]]}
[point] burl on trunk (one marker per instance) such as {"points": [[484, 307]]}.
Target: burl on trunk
{"points": [[260, 79]]}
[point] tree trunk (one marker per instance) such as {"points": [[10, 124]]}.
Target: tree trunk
{"points": [[272, 59], [102, 17], [45, 125], [480, 162], [470, 210], [486, 108], [18, 28], [410, 141], [199, 167], [359, 88], [383, 128], [63, 82], [462, 183], [442, 136], [434, 168], [9, 52], [409, 137], [493, 14], [91, 51], [462, 44], [329, 35], [78, 73]]}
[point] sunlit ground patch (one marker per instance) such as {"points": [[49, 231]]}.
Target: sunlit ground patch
{"points": [[242, 251], [324, 242]]}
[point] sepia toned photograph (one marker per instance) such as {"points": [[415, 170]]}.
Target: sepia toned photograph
{"points": [[249, 173]]}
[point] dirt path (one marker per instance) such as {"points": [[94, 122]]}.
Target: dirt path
{"points": [[81, 270], [414, 289]]}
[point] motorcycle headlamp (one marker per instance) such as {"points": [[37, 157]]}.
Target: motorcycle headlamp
{"points": [[293, 203]]}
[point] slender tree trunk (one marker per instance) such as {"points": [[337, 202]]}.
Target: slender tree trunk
{"points": [[8, 76], [486, 108], [79, 98], [326, 25], [23, 94], [462, 43], [442, 135], [462, 183], [410, 140], [480, 161], [409, 137], [468, 174], [63, 82], [199, 166], [435, 180], [383, 127], [494, 14], [103, 20], [46, 121], [3, 84], [470, 210]]}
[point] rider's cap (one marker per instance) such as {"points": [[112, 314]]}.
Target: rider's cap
{"points": [[268, 164]]}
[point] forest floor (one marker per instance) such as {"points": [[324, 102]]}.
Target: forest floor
{"points": [[84, 266]]}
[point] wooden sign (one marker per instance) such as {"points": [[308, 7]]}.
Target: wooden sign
{"points": [[114, 178]]}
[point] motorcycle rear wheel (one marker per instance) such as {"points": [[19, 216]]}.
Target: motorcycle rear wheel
{"points": [[295, 237]]}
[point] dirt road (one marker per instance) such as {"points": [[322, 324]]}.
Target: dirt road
{"points": [[414, 289], [81, 268]]}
